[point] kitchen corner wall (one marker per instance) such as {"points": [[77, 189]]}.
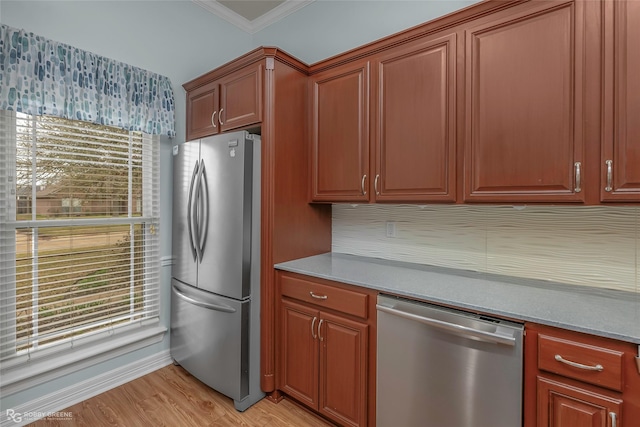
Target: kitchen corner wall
{"points": [[595, 246]]}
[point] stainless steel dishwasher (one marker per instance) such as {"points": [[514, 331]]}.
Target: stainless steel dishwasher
{"points": [[439, 367]]}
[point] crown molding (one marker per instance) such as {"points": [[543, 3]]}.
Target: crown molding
{"points": [[260, 23], [226, 14], [278, 13]]}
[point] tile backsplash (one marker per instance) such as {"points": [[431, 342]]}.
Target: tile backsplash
{"points": [[595, 246]]}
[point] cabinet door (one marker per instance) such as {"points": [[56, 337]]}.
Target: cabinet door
{"points": [[523, 102], [416, 122], [201, 105], [343, 370], [562, 405], [241, 98], [621, 143], [299, 353], [340, 134]]}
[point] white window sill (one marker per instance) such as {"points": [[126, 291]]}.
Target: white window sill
{"points": [[39, 370]]}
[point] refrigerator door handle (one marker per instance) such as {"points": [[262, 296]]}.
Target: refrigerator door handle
{"points": [[216, 307], [205, 216], [190, 209], [195, 213]]}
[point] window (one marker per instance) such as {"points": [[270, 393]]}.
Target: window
{"points": [[79, 214]]}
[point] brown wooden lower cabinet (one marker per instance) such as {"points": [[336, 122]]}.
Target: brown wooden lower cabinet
{"points": [[562, 405], [324, 352], [343, 369], [299, 351], [326, 358], [579, 380], [324, 362]]}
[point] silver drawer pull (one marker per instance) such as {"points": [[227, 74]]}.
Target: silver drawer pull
{"points": [[318, 296], [598, 367], [614, 419]]}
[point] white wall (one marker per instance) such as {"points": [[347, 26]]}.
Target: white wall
{"points": [[177, 39], [326, 28]]}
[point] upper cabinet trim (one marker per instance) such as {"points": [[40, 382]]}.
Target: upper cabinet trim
{"points": [[259, 54], [435, 25]]}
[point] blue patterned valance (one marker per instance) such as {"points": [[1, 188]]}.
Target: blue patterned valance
{"points": [[40, 76]]}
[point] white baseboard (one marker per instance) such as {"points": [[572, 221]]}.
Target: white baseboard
{"points": [[86, 389]]}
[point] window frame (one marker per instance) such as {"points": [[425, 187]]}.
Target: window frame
{"points": [[30, 368]]}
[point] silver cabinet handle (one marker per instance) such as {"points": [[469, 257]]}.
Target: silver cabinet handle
{"points": [[318, 296], [313, 324], [577, 167], [609, 163], [597, 367], [213, 119], [320, 326], [364, 178], [375, 184], [614, 419], [220, 116]]}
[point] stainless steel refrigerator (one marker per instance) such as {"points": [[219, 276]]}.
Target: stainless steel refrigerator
{"points": [[215, 305]]}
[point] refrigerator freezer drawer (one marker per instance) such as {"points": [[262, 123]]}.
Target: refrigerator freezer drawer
{"points": [[210, 338]]}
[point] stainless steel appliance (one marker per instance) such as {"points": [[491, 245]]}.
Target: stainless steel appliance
{"points": [[215, 307], [446, 368]]}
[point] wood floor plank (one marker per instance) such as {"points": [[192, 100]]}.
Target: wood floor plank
{"points": [[172, 397]]}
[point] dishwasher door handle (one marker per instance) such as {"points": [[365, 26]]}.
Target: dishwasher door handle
{"points": [[452, 327]]}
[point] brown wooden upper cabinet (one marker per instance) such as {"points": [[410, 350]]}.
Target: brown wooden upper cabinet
{"points": [[524, 75], [412, 153], [415, 122], [620, 177], [229, 103], [340, 134]]}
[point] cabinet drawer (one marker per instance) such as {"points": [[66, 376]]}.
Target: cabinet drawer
{"points": [[557, 355], [343, 300]]}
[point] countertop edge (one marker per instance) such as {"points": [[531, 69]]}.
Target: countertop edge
{"points": [[294, 267]]}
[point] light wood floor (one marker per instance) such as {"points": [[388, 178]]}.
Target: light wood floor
{"points": [[172, 397]]}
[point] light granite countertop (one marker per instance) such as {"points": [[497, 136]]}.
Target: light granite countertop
{"points": [[607, 313]]}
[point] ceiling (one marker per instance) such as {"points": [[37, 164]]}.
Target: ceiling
{"points": [[252, 15]]}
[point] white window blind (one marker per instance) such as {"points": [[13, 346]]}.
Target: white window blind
{"points": [[79, 215]]}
